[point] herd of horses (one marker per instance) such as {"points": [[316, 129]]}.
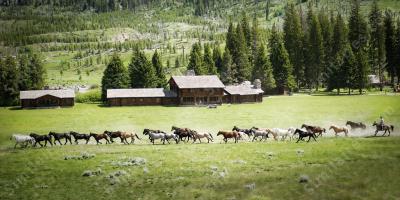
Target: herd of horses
{"points": [[186, 134]]}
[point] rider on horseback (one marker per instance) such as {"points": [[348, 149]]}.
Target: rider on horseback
{"points": [[381, 122]]}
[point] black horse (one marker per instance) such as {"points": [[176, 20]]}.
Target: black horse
{"points": [[114, 134], [40, 138], [79, 136], [355, 125], [304, 134], [58, 136], [248, 132]]}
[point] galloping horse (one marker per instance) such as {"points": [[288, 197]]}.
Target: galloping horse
{"points": [[263, 133], [314, 129], [58, 136], [79, 136], [99, 137], [283, 133], [229, 134], [339, 130], [115, 134], [183, 133], [303, 134], [246, 131], [355, 125], [155, 136], [385, 128], [125, 135], [198, 136], [39, 138]]}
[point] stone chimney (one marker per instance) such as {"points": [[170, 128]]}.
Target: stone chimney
{"points": [[190, 73], [257, 84]]}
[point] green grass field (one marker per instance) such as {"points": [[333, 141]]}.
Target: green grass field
{"points": [[336, 168]]}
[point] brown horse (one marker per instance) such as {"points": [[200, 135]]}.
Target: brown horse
{"points": [[183, 133], [355, 125], [314, 129], [339, 130], [229, 134], [99, 137], [385, 128], [125, 135]]}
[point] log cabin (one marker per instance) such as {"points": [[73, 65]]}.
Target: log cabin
{"points": [[197, 90], [47, 98]]}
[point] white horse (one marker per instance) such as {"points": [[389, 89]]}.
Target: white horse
{"points": [[173, 136], [22, 140], [243, 135], [155, 136], [199, 136], [263, 133], [283, 133]]}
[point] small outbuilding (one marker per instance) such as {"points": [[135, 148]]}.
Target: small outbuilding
{"points": [[140, 97], [47, 98], [243, 93]]}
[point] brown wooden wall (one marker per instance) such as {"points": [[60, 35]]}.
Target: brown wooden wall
{"points": [[47, 101], [145, 101], [236, 99]]}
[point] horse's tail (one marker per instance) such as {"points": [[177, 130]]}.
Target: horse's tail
{"points": [[210, 136], [392, 127], [137, 137]]}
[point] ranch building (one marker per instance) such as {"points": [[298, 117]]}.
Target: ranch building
{"points": [[243, 93], [140, 97], [197, 90], [47, 98], [187, 90]]}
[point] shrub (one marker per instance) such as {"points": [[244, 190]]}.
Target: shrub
{"points": [[89, 97]]}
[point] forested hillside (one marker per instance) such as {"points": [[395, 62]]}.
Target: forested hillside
{"points": [[76, 39]]}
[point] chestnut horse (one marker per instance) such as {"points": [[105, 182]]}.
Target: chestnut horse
{"points": [[183, 133], [339, 130], [229, 134], [99, 137], [314, 129], [125, 135]]}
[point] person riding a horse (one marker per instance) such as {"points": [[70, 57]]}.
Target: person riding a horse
{"points": [[381, 122]]}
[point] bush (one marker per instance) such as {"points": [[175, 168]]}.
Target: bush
{"points": [[89, 97]]}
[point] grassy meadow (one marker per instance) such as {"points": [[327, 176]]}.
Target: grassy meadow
{"points": [[332, 168]]}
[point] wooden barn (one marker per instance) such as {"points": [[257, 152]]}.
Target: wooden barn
{"points": [[140, 97], [243, 93], [197, 90], [47, 98]]}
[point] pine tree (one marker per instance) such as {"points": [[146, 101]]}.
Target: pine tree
{"points": [[115, 76], [377, 47], [361, 71], [348, 69], [326, 31], [246, 30], [315, 51], [397, 57], [231, 40], [358, 38], [256, 40], [263, 70], [9, 79], [241, 59], [293, 37], [196, 60], [358, 31], [282, 68], [208, 61], [390, 45], [141, 72], [217, 57], [228, 72], [159, 70]]}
